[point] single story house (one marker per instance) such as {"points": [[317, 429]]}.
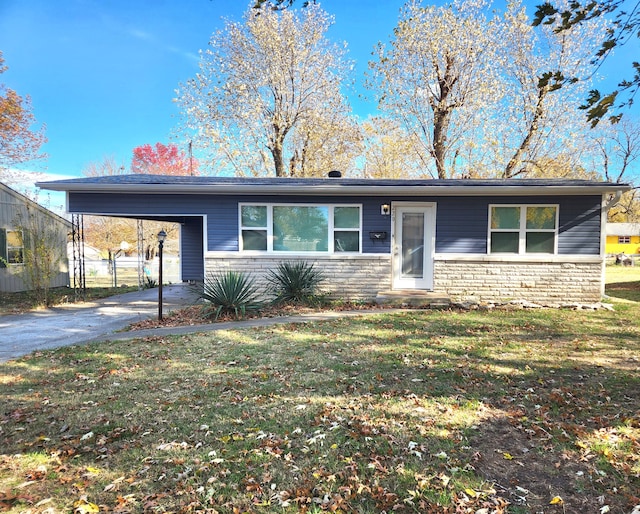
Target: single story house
{"points": [[16, 213], [536, 240], [623, 238]]}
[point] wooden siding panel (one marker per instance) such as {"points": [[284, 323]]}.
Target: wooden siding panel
{"points": [[11, 280], [11, 277]]}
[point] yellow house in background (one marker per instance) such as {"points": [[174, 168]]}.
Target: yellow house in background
{"points": [[623, 238]]}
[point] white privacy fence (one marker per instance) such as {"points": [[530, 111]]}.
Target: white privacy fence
{"points": [[124, 271]]}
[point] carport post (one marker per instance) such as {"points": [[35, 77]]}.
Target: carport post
{"points": [[162, 235]]}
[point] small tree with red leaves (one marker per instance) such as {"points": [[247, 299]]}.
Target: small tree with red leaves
{"points": [[162, 160]]}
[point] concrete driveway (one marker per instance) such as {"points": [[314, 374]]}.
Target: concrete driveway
{"points": [[21, 334]]}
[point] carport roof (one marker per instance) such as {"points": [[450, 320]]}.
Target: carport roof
{"points": [[168, 184]]}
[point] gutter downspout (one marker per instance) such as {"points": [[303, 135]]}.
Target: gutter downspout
{"points": [[612, 201]]}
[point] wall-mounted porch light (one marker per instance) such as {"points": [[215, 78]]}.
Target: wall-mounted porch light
{"points": [[385, 209]]}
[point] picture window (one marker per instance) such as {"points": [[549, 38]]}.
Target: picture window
{"points": [[300, 228]]}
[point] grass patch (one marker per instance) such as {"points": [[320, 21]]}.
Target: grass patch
{"points": [[623, 282], [420, 411], [14, 303], [428, 411]]}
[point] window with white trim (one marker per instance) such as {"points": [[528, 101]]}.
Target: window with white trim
{"points": [[523, 229], [624, 240], [300, 228]]}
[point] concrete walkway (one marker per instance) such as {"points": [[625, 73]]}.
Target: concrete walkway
{"points": [[104, 320], [78, 323]]}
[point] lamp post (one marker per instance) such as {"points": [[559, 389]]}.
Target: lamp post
{"points": [[162, 235]]}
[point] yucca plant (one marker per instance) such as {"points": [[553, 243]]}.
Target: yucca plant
{"points": [[229, 292], [295, 282]]}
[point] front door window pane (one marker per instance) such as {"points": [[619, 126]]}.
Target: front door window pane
{"points": [[413, 245]]}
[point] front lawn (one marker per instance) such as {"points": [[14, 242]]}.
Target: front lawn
{"points": [[15, 303], [623, 282], [435, 411]]}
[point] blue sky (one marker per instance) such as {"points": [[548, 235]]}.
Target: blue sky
{"points": [[102, 73]]}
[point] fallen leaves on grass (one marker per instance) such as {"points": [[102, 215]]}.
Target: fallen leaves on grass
{"points": [[187, 316], [83, 506], [195, 315], [413, 412]]}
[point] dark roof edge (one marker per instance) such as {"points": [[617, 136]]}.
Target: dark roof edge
{"points": [[340, 188]]}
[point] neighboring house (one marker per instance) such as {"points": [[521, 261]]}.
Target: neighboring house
{"points": [[90, 253], [539, 240], [15, 207], [623, 238]]}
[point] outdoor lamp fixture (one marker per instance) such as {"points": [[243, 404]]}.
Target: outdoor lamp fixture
{"points": [[162, 235], [385, 209]]}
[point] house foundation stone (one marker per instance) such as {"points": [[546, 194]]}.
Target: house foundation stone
{"points": [[362, 277], [545, 283], [356, 278]]}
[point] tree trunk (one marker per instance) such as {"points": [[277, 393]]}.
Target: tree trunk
{"points": [[278, 162], [440, 124], [442, 116], [277, 147], [510, 170]]}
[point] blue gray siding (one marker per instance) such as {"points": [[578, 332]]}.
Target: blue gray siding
{"points": [[580, 226], [221, 212], [461, 224], [191, 250], [222, 232]]}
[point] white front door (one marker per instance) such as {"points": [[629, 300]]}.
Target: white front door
{"points": [[413, 245]]}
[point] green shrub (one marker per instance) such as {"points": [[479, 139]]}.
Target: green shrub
{"points": [[295, 282], [230, 292]]}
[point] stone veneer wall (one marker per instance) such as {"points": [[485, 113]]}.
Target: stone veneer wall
{"points": [[540, 282], [358, 277], [364, 276]]}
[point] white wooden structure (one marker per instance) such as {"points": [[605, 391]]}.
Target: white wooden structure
{"points": [[14, 206]]}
